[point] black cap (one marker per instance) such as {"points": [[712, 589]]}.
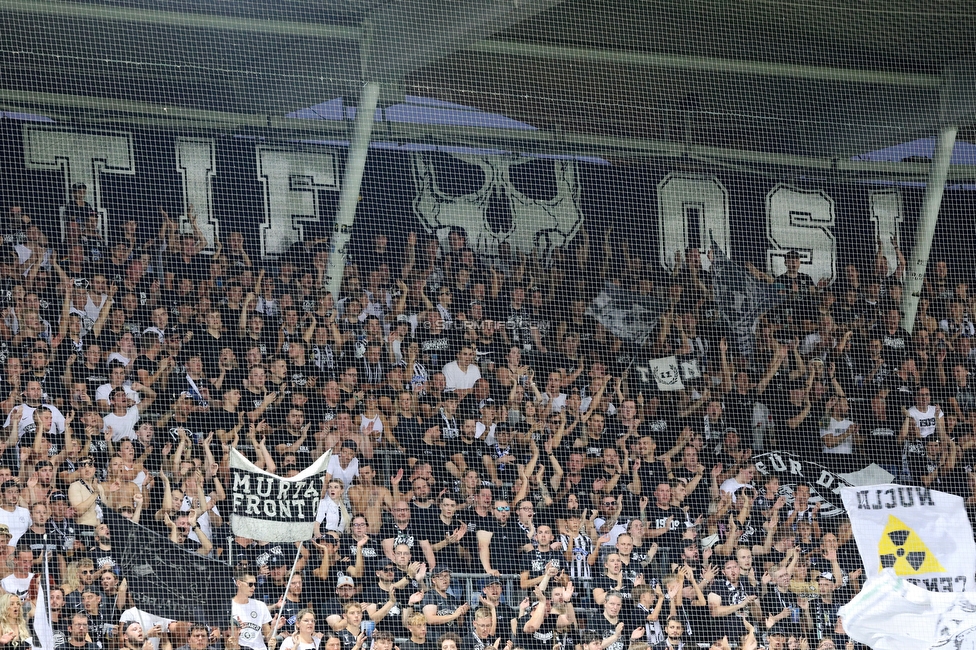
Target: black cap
{"points": [[441, 568], [276, 561], [9, 484], [58, 496]]}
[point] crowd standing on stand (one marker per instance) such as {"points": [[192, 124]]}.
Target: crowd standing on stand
{"points": [[480, 422]]}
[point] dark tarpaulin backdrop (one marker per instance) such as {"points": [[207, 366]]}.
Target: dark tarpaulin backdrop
{"points": [[624, 197]]}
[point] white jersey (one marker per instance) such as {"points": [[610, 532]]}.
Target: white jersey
{"points": [[17, 586], [925, 420], [251, 617], [123, 426], [17, 521], [582, 546], [26, 424], [838, 428], [290, 644]]}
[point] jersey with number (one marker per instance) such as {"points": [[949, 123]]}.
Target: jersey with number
{"points": [[925, 420]]}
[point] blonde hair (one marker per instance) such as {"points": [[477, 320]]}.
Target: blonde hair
{"points": [[18, 626], [72, 579]]}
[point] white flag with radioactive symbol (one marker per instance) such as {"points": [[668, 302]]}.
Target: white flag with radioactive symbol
{"points": [[922, 534]]}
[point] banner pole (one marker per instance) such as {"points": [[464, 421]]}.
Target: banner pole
{"points": [[298, 556]]}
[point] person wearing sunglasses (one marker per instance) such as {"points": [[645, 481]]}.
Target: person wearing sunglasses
{"points": [[251, 615], [500, 542]]}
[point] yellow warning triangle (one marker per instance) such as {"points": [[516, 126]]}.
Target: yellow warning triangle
{"points": [[901, 548]]}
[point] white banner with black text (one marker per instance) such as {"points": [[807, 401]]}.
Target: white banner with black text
{"points": [[922, 534], [272, 508]]}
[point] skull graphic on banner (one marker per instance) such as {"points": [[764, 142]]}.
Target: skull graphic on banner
{"points": [[499, 211]]}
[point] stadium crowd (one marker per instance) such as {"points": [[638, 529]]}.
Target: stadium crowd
{"points": [[480, 422]]}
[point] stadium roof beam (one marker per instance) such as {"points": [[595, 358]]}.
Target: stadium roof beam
{"points": [[209, 21], [96, 112], [928, 219], [708, 64]]}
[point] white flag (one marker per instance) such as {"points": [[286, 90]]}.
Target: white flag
{"points": [[272, 508], [667, 373], [891, 614], [42, 622], [922, 534]]}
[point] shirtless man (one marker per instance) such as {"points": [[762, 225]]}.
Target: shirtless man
{"points": [[370, 499]]}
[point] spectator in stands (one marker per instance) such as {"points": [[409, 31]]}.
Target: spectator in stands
{"points": [[304, 637], [731, 595], [417, 624], [78, 633], [440, 608], [15, 517], [255, 631]]}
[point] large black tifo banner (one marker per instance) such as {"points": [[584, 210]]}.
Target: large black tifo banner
{"points": [[278, 193], [167, 580]]}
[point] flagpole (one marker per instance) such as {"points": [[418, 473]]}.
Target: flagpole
{"points": [[274, 623], [44, 594]]}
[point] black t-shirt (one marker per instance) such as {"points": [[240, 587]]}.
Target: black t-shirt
{"points": [[625, 590], [506, 545], [372, 553], [452, 554], [393, 621], [436, 455], [773, 602], [657, 518], [35, 542], [605, 629], [732, 625], [650, 475], [446, 605], [542, 639], [283, 436], [881, 437], [93, 377], [411, 535]]}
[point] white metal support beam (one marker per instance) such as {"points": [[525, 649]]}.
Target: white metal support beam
{"points": [[931, 203], [352, 178]]}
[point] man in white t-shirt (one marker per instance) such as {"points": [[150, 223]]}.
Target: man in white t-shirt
{"points": [[462, 373], [15, 517], [124, 418], [924, 419], [116, 379], [344, 466], [742, 479], [33, 399], [252, 616], [18, 582], [838, 434]]}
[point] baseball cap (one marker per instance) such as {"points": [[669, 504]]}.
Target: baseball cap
{"points": [[490, 580], [276, 561], [5, 530], [439, 569], [826, 575], [345, 581], [58, 496]]}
